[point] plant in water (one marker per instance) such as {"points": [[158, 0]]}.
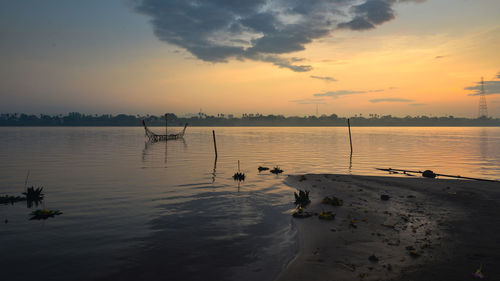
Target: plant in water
{"points": [[33, 195], [239, 176], [44, 214], [276, 170], [11, 199], [302, 199], [261, 168]]}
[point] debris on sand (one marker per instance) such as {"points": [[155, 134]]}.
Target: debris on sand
{"points": [[428, 174], [479, 273], [373, 258], [326, 216], [334, 201], [300, 213], [385, 197]]}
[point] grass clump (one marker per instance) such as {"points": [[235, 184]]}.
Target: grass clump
{"points": [[44, 214], [302, 198]]}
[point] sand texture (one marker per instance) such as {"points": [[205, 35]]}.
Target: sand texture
{"points": [[429, 229]]}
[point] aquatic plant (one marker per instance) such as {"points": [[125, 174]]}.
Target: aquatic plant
{"points": [[276, 170], [11, 199], [262, 168], [33, 193], [334, 201], [44, 214], [302, 199], [239, 176]]}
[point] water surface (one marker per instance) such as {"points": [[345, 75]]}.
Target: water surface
{"points": [[167, 211]]}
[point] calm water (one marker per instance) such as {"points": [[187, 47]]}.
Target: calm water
{"points": [[137, 211]]}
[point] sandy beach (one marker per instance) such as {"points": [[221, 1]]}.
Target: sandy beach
{"points": [[428, 229]]}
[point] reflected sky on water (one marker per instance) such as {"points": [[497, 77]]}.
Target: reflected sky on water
{"points": [[136, 210]]}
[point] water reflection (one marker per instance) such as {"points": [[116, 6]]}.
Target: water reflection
{"points": [[148, 145]]}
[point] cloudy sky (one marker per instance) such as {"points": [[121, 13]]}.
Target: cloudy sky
{"points": [[399, 57]]}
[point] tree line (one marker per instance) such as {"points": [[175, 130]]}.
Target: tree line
{"points": [[79, 119]]}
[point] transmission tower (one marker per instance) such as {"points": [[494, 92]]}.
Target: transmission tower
{"points": [[483, 107]]}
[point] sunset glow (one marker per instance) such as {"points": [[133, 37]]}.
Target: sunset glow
{"points": [[67, 56]]}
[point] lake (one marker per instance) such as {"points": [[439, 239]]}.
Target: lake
{"points": [[134, 210]]}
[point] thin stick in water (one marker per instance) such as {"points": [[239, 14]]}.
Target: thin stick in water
{"points": [[350, 139], [215, 144]]}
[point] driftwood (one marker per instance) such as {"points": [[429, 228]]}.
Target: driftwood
{"points": [[390, 170]]}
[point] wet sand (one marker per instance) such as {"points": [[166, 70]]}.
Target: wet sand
{"points": [[429, 229]]}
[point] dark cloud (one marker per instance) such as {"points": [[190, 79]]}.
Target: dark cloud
{"points": [[491, 87], [439, 57], [417, 104], [390, 100], [265, 30], [324, 78], [309, 101], [369, 14]]}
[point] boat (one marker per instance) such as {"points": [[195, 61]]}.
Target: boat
{"points": [[153, 137]]}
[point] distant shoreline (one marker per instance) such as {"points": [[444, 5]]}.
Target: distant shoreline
{"points": [[76, 119]]}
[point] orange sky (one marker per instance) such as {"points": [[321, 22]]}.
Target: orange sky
{"points": [[418, 63]]}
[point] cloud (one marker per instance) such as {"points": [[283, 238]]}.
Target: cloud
{"points": [[325, 78], [439, 57], [390, 100], [263, 30], [417, 104], [491, 87], [336, 94], [310, 101]]}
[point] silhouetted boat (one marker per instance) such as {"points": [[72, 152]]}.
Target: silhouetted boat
{"points": [[156, 137]]}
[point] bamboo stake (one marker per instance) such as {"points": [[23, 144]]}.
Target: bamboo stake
{"points": [[350, 139], [215, 144]]}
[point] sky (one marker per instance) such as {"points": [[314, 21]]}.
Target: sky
{"points": [[290, 57]]}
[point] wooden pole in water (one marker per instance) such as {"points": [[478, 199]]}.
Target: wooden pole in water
{"points": [[238, 166], [215, 144], [349, 126]]}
